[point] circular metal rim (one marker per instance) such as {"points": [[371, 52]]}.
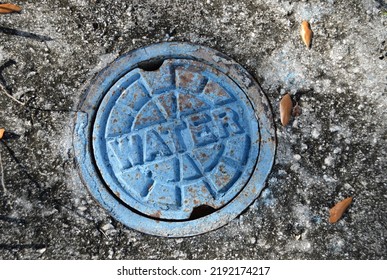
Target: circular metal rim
{"points": [[112, 182], [84, 123]]}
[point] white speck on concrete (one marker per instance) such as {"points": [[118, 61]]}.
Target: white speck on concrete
{"points": [[297, 157], [329, 161], [315, 133]]}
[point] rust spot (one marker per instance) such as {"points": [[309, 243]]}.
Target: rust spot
{"points": [[195, 118], [210, 87], [185, 100], [215, 89], [223, 178], [204, 156], [168, 110], [156, 215], [186, 78]]}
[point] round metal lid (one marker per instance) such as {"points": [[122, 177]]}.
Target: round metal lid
{"points": [[174, 139]]}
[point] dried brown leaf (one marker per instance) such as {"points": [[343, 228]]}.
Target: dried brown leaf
{"points": [[9, 8], [286, 106], [338, 210], [2, 130], [297, 110], [306, 33]]}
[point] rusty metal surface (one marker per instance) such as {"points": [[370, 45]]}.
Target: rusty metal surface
{"points": [[170, 142]]}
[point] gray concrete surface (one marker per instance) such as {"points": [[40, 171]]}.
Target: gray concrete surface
{"points": [[335, 149]]}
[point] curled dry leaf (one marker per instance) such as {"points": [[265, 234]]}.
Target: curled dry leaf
{"points": [[297, 110], [306, 33], [9, 8], [286, 106], [338, 210], [2, 130]]}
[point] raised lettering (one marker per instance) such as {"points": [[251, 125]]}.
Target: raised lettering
{"points": [[227, 122], [155, 145], [173, 132], [127, 150], [201, 128]]}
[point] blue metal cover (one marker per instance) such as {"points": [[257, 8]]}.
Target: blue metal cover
{"points": [[168, 141]]}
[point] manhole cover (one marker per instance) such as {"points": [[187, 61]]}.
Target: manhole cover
{"points": [[174, 139]]}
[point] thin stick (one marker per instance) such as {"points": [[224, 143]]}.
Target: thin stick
{"points": [[10, 96], [2, 175], [104, 234]]}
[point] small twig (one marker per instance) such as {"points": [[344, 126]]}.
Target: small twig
{"points": [[104, 234], [10, 96], [29, 35], [2, 175]]}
